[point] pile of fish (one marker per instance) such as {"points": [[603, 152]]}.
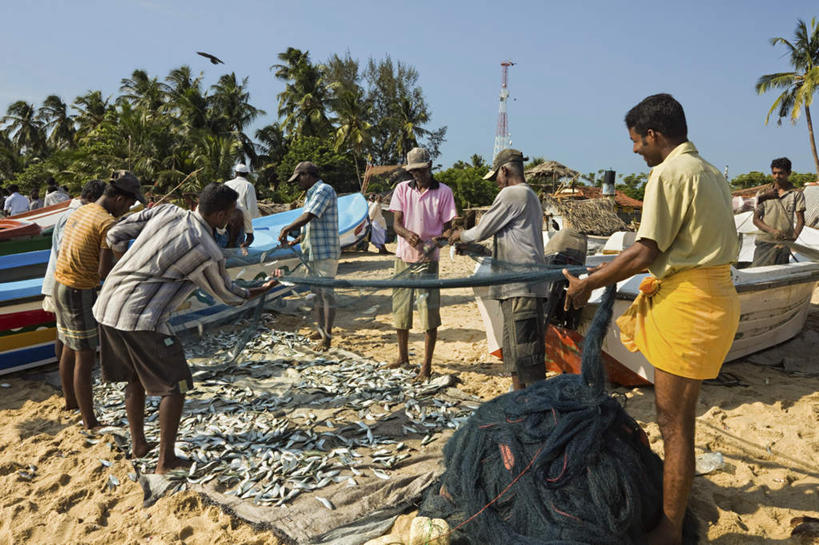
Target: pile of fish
{"points": [[284, 420]]}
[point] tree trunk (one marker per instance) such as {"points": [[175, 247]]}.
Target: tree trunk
{"points": [[812, 141]]}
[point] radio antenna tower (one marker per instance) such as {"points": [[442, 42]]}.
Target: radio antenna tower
{"points": [[503, 139]]}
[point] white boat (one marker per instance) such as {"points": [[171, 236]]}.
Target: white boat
{"points": [[774, 303]]}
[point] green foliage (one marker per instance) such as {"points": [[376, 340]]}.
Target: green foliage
{"points": [[467, 183], [756, 178], [634, 185], [335, 168]]}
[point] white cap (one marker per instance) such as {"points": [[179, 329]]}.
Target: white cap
{"points": [[241, 167]]}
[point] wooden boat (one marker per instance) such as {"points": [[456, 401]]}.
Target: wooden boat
{"points": [[12, 229], [774, 302], [27, 333], [44, 217]]}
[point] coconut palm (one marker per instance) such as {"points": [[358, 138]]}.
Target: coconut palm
{"points": [[185, 99], [353, 126], [303, 103], [409, 119], [25, 129], [91, 109], [10, 158], [142, 91], [53, 115], [800, 85], [232, 112]]}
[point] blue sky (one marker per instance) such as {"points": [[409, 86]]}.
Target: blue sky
{"points": [[580, 65]]}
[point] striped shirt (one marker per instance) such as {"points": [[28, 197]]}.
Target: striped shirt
{"points": [[320, 236], [173, 254], [79, 255]]}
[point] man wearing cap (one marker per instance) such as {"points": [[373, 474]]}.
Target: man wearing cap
{"points": [[516, 222], [423, 209], [247, 200], [319, 241], [84, 259]]}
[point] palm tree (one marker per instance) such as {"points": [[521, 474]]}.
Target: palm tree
{"points": [[53, 115], [142, 91], [353, 131], [303, 103], [801, 84], [185, 99], [91, 109], [232, 112], [409, 118], [11, 161], [25, 129]]}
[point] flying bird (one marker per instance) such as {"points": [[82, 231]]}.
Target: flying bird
{"points": [[212, 58]]}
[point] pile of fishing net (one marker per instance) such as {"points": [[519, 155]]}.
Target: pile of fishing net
{"points": [[560, 462]]}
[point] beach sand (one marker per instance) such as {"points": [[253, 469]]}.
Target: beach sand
{"points": [[766, 430]]}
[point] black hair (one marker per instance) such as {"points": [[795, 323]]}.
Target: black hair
{"points": [[92, 190], [661, 113], [782, 162], [216, 198], [113, 192], [13, 187], [51, 181]]}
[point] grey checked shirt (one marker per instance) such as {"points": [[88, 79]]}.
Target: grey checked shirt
{"points": [[173, 254]]}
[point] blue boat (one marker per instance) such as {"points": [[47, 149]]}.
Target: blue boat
{"points": [[27, 332]]}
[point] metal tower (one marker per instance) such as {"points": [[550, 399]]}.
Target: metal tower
{"points": [[503, 139]]}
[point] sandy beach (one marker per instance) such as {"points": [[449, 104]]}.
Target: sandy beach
{"points": [[766, 428]]}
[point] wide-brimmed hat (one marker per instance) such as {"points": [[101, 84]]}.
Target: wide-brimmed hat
{"points": [[504, 157], [127, 182], [304, 167], [418, 158], [241, 168]]}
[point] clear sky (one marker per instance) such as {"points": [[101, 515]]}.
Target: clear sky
{"points": [[580, 65]]}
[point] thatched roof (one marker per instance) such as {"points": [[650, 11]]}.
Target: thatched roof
{"points": [[551, 170], [589, 216], [589, 192]]}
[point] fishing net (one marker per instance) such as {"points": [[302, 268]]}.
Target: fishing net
{"points": [[560, 462]]}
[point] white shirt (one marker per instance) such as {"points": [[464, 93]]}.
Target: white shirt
{"points": [[246, 200], [374, 212], [16, 204], [55, 197]]}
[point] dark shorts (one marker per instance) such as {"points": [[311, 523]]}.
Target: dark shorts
{"points": [[155, 360], [524, 338], [76, 326]]}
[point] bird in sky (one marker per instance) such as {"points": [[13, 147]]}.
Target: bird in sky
{"points": [[212, 58]]}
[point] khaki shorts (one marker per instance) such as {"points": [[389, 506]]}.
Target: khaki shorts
{"points": [[324, 268], [428, 301], [154, 360], [76, 326], [524, 338]]}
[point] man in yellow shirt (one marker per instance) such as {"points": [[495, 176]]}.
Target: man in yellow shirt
{"points": [[84, 260], [686, 315]]}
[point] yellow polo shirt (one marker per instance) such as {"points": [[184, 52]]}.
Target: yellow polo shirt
{"points": [[687, 212]]}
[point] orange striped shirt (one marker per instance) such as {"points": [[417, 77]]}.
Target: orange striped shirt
{"points": [[83, 238]]}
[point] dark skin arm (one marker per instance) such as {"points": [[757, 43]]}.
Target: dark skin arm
{"points": [[630, 262], [800, 223], [106, 262], [301, 221], [257, 291], [412, 238], [762, 226]]}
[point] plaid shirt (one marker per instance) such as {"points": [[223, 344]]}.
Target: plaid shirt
{"points": [[319, 238]]}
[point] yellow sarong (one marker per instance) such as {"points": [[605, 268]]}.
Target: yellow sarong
{"points": [[685, 323]]}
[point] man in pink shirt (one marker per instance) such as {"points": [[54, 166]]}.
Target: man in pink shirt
{"points": [[423, 209]]}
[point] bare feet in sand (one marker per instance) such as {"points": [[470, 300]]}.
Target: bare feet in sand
{"points": [[140, 450], [174, 463], [398, 364]]}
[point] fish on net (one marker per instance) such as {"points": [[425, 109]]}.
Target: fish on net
{"points": [[558, 463]]}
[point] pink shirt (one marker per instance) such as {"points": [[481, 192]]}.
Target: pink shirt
{"points": [[424, 214]]}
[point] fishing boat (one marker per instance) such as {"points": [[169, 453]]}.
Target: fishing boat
{"points": [[774, 305], [27, 333], [45, 217]]}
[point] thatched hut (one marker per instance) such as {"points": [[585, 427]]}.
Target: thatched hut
{"points": [[547, 175], [588, 216]]}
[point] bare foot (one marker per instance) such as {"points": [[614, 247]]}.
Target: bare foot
{"points": [[94, 425], [172, 464], [398, 363], [315, 336], [142, 449], [422, 376], [664, 534], [71, 406], [326, 342]]}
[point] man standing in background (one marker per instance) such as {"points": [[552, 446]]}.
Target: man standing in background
{"points": [[247, 200], [780, 215]]}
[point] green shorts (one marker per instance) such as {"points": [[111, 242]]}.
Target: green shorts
{"points": [[428, 301], [524, 338]]}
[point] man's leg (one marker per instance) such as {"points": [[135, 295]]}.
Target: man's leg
{"points": [[402, 316], [135, 409], [170, 412], [430, 336], [676, 401], [329, 302], [58, 350], [403, 349], [67, 360], [82, 386]]}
